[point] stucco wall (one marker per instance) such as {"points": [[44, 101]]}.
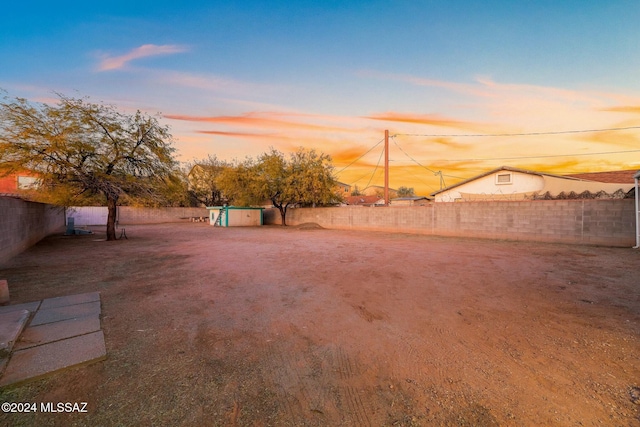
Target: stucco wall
{"points": [[23, 224], [131, 215], [244, 217], [593, 222]]}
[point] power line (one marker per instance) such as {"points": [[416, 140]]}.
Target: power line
{"points": [[418, 177], [522, 134], [442, 183], [368, 151], [363, 176], [541, 157], [376, 168], [412, 159]]}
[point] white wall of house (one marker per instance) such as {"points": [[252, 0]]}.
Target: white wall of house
{"points": [[502, 183], [513, 185]]}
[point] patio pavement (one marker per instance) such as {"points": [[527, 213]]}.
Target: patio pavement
{"points": [[46, 336]]}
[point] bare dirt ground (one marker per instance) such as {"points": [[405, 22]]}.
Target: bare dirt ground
{"points": [[311, 327]]}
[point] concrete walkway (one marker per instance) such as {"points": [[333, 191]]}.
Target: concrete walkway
{"points": [[46, 336]]}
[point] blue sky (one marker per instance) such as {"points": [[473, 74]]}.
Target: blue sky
{"points": [[236, 78]]}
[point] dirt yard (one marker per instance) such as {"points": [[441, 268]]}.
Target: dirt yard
{"points": [[310, 327]]}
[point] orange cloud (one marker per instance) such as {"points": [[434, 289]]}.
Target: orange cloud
{"points": [[235, 134], [608, 139], [261, 120], [428, 120], [117, 62], [346, 155], [624, 109]]}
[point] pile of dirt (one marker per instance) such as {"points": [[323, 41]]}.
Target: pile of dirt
{"points": [[308, 226]]}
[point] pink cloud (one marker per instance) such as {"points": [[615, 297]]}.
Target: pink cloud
{"points": [[271, 120], [117, 62]]}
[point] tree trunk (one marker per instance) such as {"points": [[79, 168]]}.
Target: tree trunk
{"points": [[111, 218], [283, 215]]}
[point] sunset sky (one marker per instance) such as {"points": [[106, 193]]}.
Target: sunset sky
{"points": [[233, 79]]}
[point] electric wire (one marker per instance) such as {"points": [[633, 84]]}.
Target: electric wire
{"points": [[411, 158], [368, 151], [393, 137], [522, 134], [376, 168], [540, 157], [363, 176]]}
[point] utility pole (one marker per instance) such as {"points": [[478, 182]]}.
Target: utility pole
{"points": [[386, 168]]}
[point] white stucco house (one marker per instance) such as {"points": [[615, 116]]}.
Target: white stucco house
{"points": [[508, 183]]}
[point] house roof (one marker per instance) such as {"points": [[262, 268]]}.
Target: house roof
{"points": [[614, 177], [506, 168], [362, 200], [412, 198], [378, 187]]}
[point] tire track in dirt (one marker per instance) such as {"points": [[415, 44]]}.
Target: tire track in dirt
{"points": [[356, 406], [438, 380], [318, 385], [283, 372]]}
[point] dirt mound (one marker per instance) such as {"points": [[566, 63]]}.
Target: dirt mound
{"points": [[308, 226]]}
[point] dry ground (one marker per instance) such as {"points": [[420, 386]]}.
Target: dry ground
{"points": [[311, 327]]}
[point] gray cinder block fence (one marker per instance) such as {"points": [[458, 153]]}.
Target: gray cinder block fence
{"points": [[593, 222]]}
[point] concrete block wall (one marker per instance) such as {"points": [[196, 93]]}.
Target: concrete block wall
{"points": [[594, 222], [23, 224], [128, 215]]}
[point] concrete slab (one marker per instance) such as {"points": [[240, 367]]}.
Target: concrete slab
{"points": [[38, 361], [50, 332], [67, 312], [11, 325], [29, 306], [69, 300]]}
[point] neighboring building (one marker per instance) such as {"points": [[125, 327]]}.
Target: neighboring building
{"points": [[15, 182], [616, 177], [377, 190], [508, 183], [343, 189], [410, 201], [364, 201]]}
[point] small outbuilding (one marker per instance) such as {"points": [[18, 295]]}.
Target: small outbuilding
{"points": [[410, 201], [235, 216]]}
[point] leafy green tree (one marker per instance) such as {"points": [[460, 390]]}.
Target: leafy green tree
{"points": [[239, 183], [311, 179], [82, 149], [305, 178], [406, 192]]}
